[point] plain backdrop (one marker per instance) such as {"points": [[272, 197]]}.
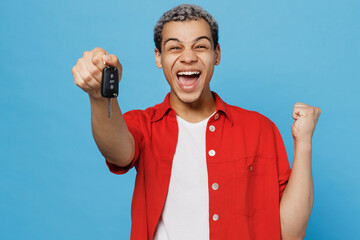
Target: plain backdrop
{"points": [[54, 183]]}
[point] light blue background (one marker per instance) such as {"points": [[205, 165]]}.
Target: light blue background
{"points": [[54, 183]]}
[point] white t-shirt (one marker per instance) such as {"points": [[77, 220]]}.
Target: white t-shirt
{"points": [[186, 211]]}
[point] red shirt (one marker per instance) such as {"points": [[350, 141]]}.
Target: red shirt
{"points": [[247, 166]]}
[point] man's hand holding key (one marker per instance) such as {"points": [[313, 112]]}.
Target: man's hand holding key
{"points": [[88, 70], [112, 137]]}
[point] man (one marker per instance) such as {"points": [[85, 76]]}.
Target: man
{"points": [[205, 169]]}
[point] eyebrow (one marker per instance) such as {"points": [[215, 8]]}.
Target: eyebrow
{"points": [[196, 40]]}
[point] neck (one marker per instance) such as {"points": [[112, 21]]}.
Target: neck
{"points": [[196, 111]]}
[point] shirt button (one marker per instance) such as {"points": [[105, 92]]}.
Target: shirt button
{"points": [[212, 153], [215, 186], [251, 167], [216, 117], [212, 128], [215, 217]]}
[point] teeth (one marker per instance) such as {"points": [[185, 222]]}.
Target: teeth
{"points": [[189, 73]]}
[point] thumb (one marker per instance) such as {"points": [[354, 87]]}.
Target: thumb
{"points": [[112, 60], [296, 115]]}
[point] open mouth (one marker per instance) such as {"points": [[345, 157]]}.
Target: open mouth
{"points": [[188, 79]]}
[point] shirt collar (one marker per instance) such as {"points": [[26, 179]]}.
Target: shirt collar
{"points": [[164, 107]]}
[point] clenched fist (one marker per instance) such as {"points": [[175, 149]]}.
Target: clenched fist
{"points": [[305, 117], [88, 70]]}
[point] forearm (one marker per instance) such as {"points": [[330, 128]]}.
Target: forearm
{"points": [[297, 200], [112, 136]]}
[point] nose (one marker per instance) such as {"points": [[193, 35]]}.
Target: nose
{"points": [[188, 56]]}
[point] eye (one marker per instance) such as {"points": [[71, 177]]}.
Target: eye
{"points": [[174, 48], [201, 47]]}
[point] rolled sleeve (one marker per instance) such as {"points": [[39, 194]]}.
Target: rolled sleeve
{"points": [[283, 166]]}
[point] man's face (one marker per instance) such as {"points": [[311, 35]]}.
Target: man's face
{"points": [[188, 58]]}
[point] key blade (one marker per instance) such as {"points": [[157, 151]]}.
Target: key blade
{"points": [[109, 108]]}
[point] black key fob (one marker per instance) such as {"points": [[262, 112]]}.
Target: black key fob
{"points": [[110, 82]]}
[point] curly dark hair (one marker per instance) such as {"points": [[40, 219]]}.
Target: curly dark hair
{"points": [[185, 12]]}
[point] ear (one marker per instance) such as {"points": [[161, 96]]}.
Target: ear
{"points": [[158, 58], [217, 54]]}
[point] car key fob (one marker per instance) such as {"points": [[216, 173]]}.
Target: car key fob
{"points": [[110, 85], [110, 82]]}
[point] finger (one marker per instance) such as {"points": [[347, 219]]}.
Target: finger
{"points": [[112, 60], [97, 60], [299, 104], [319, 110], [80, 82], [87, 77], [296, 115], [297, 112], [94, 70], [97, 50]]}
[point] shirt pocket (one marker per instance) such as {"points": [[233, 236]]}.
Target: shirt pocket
{"points": [[251, 176]]}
